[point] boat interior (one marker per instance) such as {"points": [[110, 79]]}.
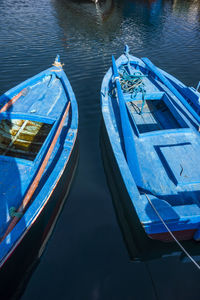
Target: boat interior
{"points": [[27, 128], [153, 114], [22, 138], [149, 107], [163, 139]]}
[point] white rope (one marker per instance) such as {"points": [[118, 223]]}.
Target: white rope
{"points": [[116, 77], [179, 244]]}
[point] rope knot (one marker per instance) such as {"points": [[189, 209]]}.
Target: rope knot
{"points": [[14, 213]]}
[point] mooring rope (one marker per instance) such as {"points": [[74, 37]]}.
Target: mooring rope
{"points": [[57, 64], [175, 239]]}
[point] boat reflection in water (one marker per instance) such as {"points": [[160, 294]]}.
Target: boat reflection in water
{"points": [[186, 6], [88, 18], [150, 10]]}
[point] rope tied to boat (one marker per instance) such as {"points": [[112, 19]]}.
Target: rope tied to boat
{"points": [[14, 213], [57, 64], [172, 235]]}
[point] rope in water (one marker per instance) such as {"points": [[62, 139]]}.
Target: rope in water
{"points": [[175, 239]]}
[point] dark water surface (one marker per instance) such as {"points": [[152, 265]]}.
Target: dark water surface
{"points": [[86, 257]]}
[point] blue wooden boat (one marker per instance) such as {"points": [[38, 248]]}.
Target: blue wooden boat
{"points": [[38, 156], [151, 122]]}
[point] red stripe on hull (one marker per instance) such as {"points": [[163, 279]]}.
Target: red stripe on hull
{"points": [[180, 235]]}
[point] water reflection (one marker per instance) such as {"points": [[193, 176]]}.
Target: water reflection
{"points": [[190, 8], [151, 11], [87, 20]]}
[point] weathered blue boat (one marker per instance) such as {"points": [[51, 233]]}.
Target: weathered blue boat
{"points": [[38, 157], [151, 122]]}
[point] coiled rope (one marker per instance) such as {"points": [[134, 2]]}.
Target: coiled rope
{"points": [[175, 239], [131, 83]]}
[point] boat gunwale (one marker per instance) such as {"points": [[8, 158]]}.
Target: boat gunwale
{"points": [[30, 81], [26, 116]]}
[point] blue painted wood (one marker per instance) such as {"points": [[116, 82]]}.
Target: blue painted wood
{"points": [[152, 96], [156, 71], [165, 143], [127, 132], [191, 95], [48, 94]]}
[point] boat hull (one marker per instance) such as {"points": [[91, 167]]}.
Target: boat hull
{"points": [[135, 236], [128, 220], [146, 128], [140, 246], [16, 269]]}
